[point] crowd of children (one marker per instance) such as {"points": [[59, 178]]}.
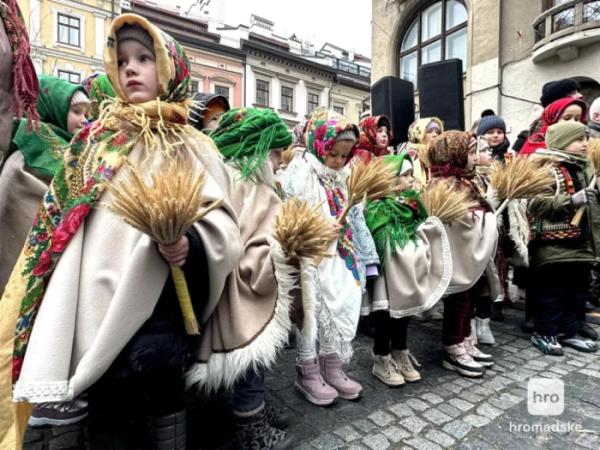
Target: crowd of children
{"points": [[90, 313]]}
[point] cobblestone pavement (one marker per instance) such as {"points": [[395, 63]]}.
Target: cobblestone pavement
{"points": [[444, 410]]}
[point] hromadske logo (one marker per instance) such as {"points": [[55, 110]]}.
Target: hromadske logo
{"points": [[545, 396]]}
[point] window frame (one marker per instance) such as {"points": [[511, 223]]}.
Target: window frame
{"points": [[221, 86], [267, 92], [69, 28], [308, 102], [291, 97], [339, 109], [69, 73], [417, 17]]}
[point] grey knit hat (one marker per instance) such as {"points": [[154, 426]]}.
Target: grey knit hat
{"points": [[346, 135], [135, 33], [488, 123], [79, 98], [561, 134]]}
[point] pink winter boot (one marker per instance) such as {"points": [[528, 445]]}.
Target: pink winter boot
{"points": [[310, 383], [331, 369]]}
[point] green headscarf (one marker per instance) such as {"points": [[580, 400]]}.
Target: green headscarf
{"points": [[100, 89], [43, 150], [245, 136], [395, 219]]}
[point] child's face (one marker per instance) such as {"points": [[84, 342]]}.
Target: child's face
{"points": [[596, 117], [578, 147], [382, 137], [76, 117], [572, 112], [431, 134], [405, 181], [276, 157], [483, 152], [137, 72], [212, 114], [473, 158], [494, 137], [338, 155]]}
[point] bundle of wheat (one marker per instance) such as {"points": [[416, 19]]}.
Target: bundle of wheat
{"points": [[520, 178], [287, 156], [593, 153], [374, 180], [445, 202], [164, 209], [302, 231]]}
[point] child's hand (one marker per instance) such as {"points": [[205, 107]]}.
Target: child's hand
{"points": [[177, 253]]}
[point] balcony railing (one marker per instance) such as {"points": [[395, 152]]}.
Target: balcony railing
{"points": [[565, 21]]}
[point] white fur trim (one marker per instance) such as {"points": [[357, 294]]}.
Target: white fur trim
{"points": [[224, 369], [58, 391], [309, 323], [518, 229]]}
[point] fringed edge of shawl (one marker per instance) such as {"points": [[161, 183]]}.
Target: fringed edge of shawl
{"points": [[519, 230], [224, 369]]}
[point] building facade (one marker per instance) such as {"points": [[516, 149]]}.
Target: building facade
{"points": [[67, 37], [509, 48]]}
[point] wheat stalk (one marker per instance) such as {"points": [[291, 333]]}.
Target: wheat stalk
{"points": [[444, 201], [302, 231], [521, 178], [371, 181], [287, 156], [164, 209]]}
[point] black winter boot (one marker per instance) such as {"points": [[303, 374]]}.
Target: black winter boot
{"points": [[278, 418], [255, 433], [168, 432]]}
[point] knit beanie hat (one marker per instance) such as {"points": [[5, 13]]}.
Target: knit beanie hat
{"points": [[488, 123], [554, 90], [346, 135], [561, 134], [135, 33], [247, 135], [79, 98]]}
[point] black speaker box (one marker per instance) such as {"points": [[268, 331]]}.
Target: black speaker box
{"points": [[394, 98], [441, 93]]}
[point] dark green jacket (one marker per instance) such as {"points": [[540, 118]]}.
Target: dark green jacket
{"points": [[559, 209]]}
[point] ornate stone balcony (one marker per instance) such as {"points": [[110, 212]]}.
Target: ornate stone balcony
{"points": [[564, 29]]}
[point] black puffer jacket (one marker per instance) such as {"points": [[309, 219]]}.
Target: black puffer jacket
{"points": [[161, 343]]}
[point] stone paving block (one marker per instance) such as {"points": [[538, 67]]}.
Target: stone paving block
{"points": [[401, 410], [457, 428], [422, 444], [461, 404], [470, 397], [416, 404], [463, 382], [487, 410], [589, 440], [357, 447], [453, 387], [558, 370], [442, 392], [432, 398], [436, 417], [591, 373], [449, 409], [348, 433], [440, 438], [364, 425], [413, 424], [376, 441], [476, 420], [381, 418], [574, 362], [476, 444], [395, 434], [327, 441]]}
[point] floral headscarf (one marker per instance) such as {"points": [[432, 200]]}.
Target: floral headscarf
{"points": [[368, 134], [418, 129], [550, 116], [99, 89], [298, 134], [321, 130]]}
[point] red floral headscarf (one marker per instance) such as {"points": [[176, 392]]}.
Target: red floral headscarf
{"points": [[550, 116], [367, 144]]}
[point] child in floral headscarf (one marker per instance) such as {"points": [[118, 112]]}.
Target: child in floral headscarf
{"points": [[83, 270], [473, 246], [421, 133], [375, 137], [334, 288], [417, 267]]}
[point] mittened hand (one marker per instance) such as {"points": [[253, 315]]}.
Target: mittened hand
{"points": [[175, 254], [583, 197]]}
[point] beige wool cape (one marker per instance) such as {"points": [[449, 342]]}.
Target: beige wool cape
{"points": [[416, 277], [252, 320], [21, 191], [107, 283]]}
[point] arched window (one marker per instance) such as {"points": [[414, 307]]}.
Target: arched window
{"points": [[438, 32]]}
